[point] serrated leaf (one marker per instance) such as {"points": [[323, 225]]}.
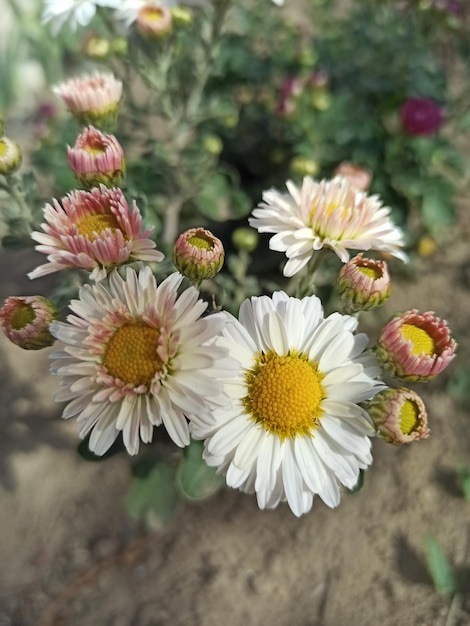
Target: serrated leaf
{"points": [[219, 200], [440, 568], [195, 479], [437, 210], [153, 496]]}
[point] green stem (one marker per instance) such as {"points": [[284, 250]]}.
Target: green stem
{"points": [[306, 284]]}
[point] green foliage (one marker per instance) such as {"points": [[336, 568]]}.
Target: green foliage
{"points": [[440, 568], [463, 473]]}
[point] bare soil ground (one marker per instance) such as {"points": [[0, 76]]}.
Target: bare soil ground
{"points": [[70, 555]]}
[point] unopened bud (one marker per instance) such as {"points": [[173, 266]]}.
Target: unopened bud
{"points": [[25, 321], [399, 415], [154, 22], [363, 284], [198, 254], [182, 16], [245, 239], [10, 156]]}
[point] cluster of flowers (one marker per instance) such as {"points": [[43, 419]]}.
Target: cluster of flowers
{"points": [[285, 398]]}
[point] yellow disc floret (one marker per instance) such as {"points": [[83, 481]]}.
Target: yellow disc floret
{"points": [[422, 342], [285, 393], [22, 316], [131, 354], [409, 416], [371, 271], [93, 225]]}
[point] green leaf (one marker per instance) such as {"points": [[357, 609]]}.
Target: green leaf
{"points": [[440, 568], [437, 209], [360, 483], [195, 479], [464, 476], [153, 496], [219, 200]]}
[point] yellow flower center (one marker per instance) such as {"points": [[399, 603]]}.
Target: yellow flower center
{"points": [[422, 342], [23, 316], [152, 14], [202, 241], [95, 146], [285, 393], [409, 417], [4, 148], [371, 272], [131, 354], [92, 226]]}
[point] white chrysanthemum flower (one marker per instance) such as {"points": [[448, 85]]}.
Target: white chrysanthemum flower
{"points": [[73, 12], [137, 356], [295, 428], [331, 214]]}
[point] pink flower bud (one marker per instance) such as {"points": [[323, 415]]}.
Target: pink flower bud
{"points": [[415, 346], [363, 284], [92, 99], [198, 254], [97, 158], [421, 116], [358, 176], [399, 415], [25, 321], [153, 21]]}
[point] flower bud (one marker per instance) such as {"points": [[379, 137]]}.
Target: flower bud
{"points": [[245, 239], [198, 254], [97, 158], [415, 346], [421, 116], [153, 21], [10, 156], [303, 166], [213, 144], [399, 415], [96, 47], [358, 176], [25, 321], [363, 284], [92, 99], [182, 16]]}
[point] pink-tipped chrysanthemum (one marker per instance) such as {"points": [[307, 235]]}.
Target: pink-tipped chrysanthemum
{"points": [[25, 321], [93, 230], [330, 214], [137, 356], [97, 158], [92, 98], [415, 346]]}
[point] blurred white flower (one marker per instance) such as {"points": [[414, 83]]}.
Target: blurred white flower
{"points": [[73, 12]]}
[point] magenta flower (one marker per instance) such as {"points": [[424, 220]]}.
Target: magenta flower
{"points": [[421, 116], [93, 230], [25, 321], [96, 158], [415, 346]]}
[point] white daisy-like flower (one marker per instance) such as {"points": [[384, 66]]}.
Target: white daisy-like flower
{"points": [[331, 214], [295, 428], [136, 356], [73, 12]]}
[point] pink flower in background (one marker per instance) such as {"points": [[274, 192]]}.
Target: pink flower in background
{"points": [[421, 116], [291, 88], [91, 98], [358, 176], [96, 158], [92, 230]]}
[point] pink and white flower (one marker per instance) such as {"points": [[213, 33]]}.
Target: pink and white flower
{"points": [[93, 230], [136, 356], [331, 214]]}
